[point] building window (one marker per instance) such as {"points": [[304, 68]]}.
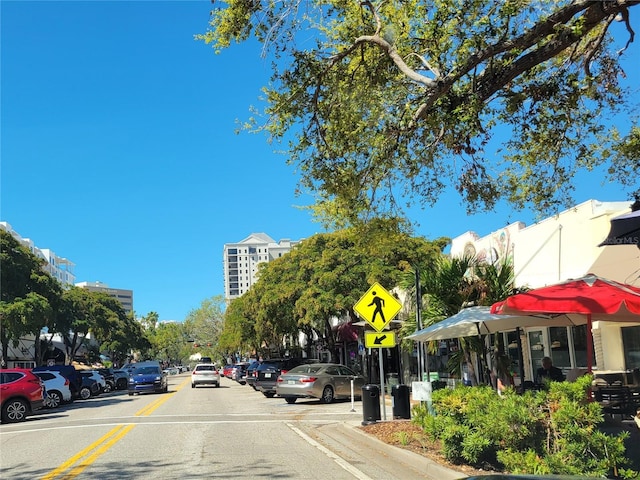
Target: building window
{"points": [[631, 346], [560, 347], [579, 334]]}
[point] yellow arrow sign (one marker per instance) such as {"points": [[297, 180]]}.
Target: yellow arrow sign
{"points": [[377, 307], [380, 340]]}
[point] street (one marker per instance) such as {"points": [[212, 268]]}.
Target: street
{"points": [[206, 432]]}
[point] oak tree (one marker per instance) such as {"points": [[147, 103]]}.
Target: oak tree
{"points": [[386, 104]]}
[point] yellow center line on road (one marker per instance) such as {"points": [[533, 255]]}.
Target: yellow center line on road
{"points": [[90, 454]]}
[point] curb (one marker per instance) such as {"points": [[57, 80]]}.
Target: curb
{"points": [[426, 466], [386, 461]]}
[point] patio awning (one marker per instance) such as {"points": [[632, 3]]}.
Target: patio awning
{"points": [[346, 332]]}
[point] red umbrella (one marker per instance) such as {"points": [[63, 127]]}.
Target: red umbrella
{"points": [[590, 297]]}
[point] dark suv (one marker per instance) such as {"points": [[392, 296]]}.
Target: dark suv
{"points": [[269, 370], [251, 374]]}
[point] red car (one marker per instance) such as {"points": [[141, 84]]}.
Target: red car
{"points": [[226, 371], [21, 394]]}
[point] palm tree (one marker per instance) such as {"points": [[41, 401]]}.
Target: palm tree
{"points": [[451, 285]]}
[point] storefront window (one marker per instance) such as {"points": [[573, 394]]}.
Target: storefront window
{"points": [[536, 346], [513, 352], [631, 346], [559, 347], [580, 346]]}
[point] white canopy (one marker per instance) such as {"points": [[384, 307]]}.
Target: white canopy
{"points": [[474, 321]]}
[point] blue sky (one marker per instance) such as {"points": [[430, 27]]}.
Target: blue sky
{"points": [[118, 149]]}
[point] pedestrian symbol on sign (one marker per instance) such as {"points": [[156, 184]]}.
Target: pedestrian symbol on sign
{"points": [[377, 307], [379, 303]]}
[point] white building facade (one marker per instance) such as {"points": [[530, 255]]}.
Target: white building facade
{"points": [[58, 267], [240, 261], [559, 248], [125, 297]]}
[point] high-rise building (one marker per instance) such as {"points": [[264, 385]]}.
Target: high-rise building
{"points": [[125, 297], [241, 261], [58, 267]]}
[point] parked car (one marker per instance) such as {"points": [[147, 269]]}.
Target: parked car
{"points": [[147, 377], [109, 377], [250, 377], [239, 371], [326, 381], [226, 371], [269, 371], [99, 379], [121, 378], [79, 388], [91, 386], [205, 374], [57, 388], [21, 393]]}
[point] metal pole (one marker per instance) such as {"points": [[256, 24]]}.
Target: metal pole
{"points": [[384, 403], [353, 408], [421, 352], [520, 358]]}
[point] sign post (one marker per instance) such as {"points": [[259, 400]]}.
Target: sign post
{"points": [[378, 307]]}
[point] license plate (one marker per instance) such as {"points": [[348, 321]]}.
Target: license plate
{"points": [[267, 375], [291, 382]]}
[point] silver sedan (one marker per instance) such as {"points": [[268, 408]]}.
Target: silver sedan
{"points": [[326, 381], [205, 374]]}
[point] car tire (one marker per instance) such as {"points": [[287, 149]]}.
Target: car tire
{"points": [[193, 385], [85, 393], [217, 385], [121, 384], [290, 400], [327, 394], [131, 394], [14, 410], [54, 399], [268, 394], [107, 388]]}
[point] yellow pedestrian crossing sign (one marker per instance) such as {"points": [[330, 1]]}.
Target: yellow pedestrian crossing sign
{"points": [[377, 307], [380, 339]]}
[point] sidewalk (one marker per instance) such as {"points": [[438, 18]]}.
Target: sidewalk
{"points": [[381, 459], [375, 458]]}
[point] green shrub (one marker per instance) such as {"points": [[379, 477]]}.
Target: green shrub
{"points": [[433, 426], [452, 442], [548, 432], [477, 449]]}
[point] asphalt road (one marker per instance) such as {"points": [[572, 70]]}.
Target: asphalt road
{"points": [[231, 432]]}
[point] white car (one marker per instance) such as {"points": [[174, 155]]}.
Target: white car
{"points": [[205, 374], [56, 387], [94, 374]]}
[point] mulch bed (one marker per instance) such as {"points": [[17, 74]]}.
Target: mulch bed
{"points": [[409, 436]]}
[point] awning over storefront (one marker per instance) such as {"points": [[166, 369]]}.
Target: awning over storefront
{"points": [[346, 332]]}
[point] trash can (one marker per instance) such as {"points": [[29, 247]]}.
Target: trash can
{"points": [[370, 404], [400, 401]]}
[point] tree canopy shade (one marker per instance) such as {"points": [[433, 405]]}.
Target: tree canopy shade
{"points": [[387, 104]]}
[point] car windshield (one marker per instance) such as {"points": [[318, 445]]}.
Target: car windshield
{"points": [[147, 370], [306, 369]]}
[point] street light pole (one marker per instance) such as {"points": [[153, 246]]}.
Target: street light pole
{"points": [[421, 353]]}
